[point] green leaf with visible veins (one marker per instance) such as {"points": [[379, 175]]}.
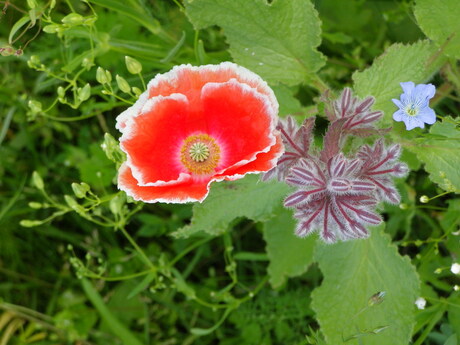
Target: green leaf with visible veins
{"points": [[400, 63], [289, 255], [354, 271], [277, 41], [440, 152], [227, 201], [439, 20]]}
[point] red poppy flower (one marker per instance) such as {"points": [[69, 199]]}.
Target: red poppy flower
{"points": [[196, 125]]}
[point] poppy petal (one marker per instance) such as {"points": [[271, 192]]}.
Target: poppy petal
{"points": [[187, 191], [264, 162], [189, 80], [241, 119], [152, 140]]}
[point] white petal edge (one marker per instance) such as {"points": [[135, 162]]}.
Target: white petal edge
{"points": [[128, 191], [132, 111]]}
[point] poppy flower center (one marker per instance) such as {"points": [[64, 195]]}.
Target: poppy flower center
{"points": [[200, 154]]}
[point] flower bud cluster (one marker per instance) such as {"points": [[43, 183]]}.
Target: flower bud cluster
{"points": [[337, 194]]}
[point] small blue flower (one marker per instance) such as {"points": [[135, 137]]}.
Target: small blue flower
{"points": [[414, 105]]}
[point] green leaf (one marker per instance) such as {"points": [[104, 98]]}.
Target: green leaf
{"points": [[227, 201], [400, 63], [18, 25], [354, 271], [289, 255], [439, 20], [439, 151], [289, 104], [278, 40]]}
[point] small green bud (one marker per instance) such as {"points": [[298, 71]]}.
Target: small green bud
{"points": [[52, 4], [51, 28], [80, 189], [74, 205], [136, 91], [101, 76], [35, 106], [35, 205], [33, 61], [84, 93], [403, 206], [112, 150], [123, 84], [87, 63], [37, 181], [424, 199], [72, 19], [108, 75], [27, 223], [116, 204], [133, 66], [61, 92]]}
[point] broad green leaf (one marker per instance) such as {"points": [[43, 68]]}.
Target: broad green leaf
{"points": [[440, 152], [249, 197], [355, 271], [289, 255], [289, 104], [278, 40], [439, 20], [400, 63]]}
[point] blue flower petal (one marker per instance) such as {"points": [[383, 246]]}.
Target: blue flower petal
{"points": [[425, 91], [427, 115], [408, 87], [412, 122], [398, 103], [399, 115], [406, 99]]}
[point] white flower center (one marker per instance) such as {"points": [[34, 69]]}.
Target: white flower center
{"points": [[412, 110]]}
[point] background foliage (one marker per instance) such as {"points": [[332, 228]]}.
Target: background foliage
{"points": [[82, 264]]}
